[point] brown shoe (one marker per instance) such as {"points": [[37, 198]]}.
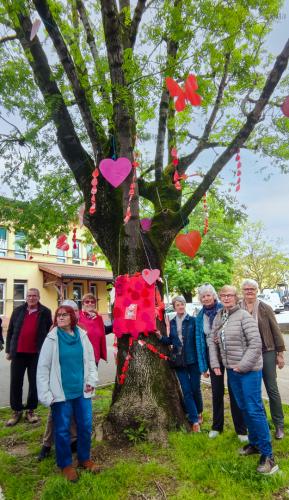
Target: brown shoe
{"points": [[16, 417], [31, 417], [70, 474], [90, 466]]}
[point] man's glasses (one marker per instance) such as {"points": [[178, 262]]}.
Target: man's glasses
{"points": [[89, 302], [249, 289], [62, 315], [227, 295]]}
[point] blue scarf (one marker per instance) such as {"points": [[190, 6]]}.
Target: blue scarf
{"points": [[211, 312]]}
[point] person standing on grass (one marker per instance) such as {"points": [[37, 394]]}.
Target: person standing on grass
{"points": [[92, 323], [48, 437], [66, 378], [239, 344], [28, 327], [273, 348], [182, 338], [204, 322]]}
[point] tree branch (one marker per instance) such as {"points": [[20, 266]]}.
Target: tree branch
{"points": [[253, 118], [93, 49], [186, 161], [94, 130], [219, 144], [7, 38], [172, 48], [137, 16], [68, 141]]}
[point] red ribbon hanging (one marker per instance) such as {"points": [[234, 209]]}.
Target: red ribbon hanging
{"points": [[238, 171], [94, 183], [206, 214]]}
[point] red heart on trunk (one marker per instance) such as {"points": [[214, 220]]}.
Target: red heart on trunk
{"points": [[189, 243], [150, 275]]}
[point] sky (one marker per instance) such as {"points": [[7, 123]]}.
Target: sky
{"points": [[265, 201]]}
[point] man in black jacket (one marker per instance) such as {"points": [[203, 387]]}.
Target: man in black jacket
{"points": [[28, 327]]}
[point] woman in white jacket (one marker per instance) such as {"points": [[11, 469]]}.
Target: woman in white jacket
{"points": [[66, 378]]}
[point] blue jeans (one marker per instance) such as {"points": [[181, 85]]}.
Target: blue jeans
{"points": [[190, 381], [62, 412], [247, 388]]}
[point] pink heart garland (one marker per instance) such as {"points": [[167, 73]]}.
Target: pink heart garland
{"points": [[115, 171], [146, 224], [150, 275]]}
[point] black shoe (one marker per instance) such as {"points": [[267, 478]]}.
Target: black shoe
{"points": [[279, 434], [73, 446], [44, 453], [249, 449], [267, 466]]}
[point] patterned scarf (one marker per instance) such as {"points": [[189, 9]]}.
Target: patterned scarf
{"points": [[211, 312]]}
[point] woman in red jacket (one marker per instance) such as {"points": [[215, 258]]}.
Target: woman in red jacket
{"points": [[92, 323]]}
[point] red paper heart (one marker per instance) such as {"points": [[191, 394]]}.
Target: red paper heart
{"points": [[189, 243], [61, 240], [150, 275], [115, 171], [285, 107]]}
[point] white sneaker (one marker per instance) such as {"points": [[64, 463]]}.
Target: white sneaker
{"points": [[243, 438], [213, 434]]}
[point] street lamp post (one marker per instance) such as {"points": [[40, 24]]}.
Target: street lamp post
{"points": [[167, 288]]}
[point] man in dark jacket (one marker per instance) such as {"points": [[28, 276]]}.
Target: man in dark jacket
{"points": [[28, 327]]}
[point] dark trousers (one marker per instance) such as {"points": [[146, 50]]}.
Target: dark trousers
{"points": [[19, 364], [218, 391], [248, 393], [270, 381], [190, 382]]}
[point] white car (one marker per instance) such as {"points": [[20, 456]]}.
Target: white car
{"points": [[273, 300]]}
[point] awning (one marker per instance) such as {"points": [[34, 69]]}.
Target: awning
{"points": [[68, 271]]}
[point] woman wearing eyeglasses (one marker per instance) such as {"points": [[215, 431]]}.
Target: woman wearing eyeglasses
{"points": [[66, 378], [92, 323], [237, 339], [204, 323]]}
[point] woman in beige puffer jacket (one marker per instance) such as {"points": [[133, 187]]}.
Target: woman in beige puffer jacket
{"points": [[237, 339]]}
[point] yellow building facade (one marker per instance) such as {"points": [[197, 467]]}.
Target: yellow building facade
{"points": [[57, 274]]}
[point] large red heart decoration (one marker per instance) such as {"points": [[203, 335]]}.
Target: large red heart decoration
{"points": [[115, 171], [150, 275], [189, 243], [285, 107], [61, 243]]}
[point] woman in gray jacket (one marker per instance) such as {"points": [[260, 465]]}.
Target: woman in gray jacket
{"points": [[66, 378], [237, 338]]}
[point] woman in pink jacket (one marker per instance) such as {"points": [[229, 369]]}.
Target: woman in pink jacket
{"points": [[92, 323]]}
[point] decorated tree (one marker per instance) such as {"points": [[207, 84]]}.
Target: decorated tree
{"points": [[92, 82]]}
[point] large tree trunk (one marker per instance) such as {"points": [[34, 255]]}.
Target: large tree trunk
{"points": [[149, 395]]}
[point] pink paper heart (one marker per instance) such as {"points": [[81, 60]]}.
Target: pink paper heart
{"points": [[146, 224], [285, 107], [150, 275], [115, 171], [35, 28]]}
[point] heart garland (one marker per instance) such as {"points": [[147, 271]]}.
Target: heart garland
{"points": [[238, 171], [206, 214], [74, 238], [93, 191], [177, 177], [131, 192]]}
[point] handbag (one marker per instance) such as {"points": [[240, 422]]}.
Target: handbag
{"points": [[177, 358]]}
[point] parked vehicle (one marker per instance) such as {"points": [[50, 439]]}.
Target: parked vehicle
{"points": [[272, 299], [192, 308]]}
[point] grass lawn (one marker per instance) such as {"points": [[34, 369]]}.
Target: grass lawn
{"points": [[190, 467]]}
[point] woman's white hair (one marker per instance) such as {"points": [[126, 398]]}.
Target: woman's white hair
{"points": [[178, 298], [207, 288], [250, 283]]}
